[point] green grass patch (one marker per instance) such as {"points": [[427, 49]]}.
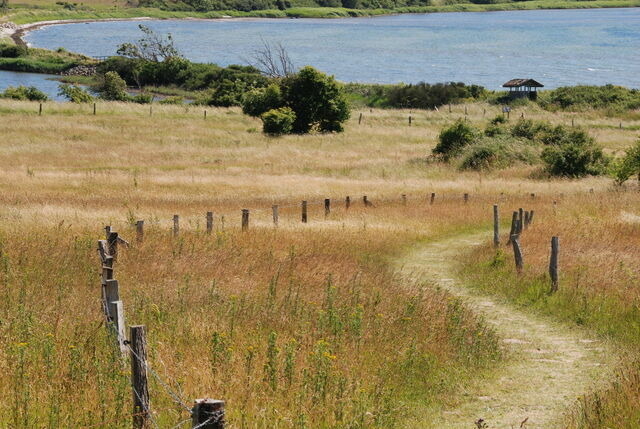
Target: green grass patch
{"points": [[35, 60]]}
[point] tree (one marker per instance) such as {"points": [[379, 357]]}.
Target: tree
{"points": [[151, 47], [261, 100], [278, 121], [317, 100], [574, 158], [629, 165], [112, 87], [74, 93], [273, 60]]}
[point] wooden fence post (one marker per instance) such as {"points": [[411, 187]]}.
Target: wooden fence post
{"points": [[304, 211], [526, 219], [533, 196], [496, 226], [404, 199], [205, 114], [40, 110], [433, 197], [530, 217], [140, 231], [176, 225], [209, 220], [553, 263], [466, 198], [274, 210], [208, 414], [365, 201], [141, 415], [112, 242], [327, 207], [520, 220], [347, 202], [116, 309], [360, 119], [514, 225], [409, 120], [517, 252], [245, 219], [94, 109]]}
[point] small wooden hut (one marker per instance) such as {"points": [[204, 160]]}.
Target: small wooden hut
{"points": [[521, 88]]}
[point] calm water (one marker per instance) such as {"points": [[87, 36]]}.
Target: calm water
{"points": [[564, 47], [43, 82]]}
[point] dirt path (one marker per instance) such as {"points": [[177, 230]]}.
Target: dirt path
{"points": [[549, 364]]}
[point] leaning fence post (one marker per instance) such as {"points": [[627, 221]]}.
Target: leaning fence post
{"points": [[517, 252], [514, 226], [327, 207], [245, 219], [274, 210], [140, 231], [209, 220], [207, 414], [304, 211], [112, 242], [496, 226], [139, 384], [553, 263], [176, 225]]}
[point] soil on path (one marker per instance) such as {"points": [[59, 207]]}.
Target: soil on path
{"points": [[548, 365]]}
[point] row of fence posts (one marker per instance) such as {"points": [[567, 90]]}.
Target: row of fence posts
{"points": [[276, 216], [206, 413], [360, 118], [520, 221]]}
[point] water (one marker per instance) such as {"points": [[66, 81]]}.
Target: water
{"points": [[556, 47], [43, 82]]}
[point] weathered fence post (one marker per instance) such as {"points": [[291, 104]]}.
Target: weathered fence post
{"points": [[360, 119], [207, 414], [40, 110], [205, 114], [116, 309], [347, 202], [520, 220], [466, 198], [112, 242], [530, 217], [526, 219], [327, 207], [517, 252], [138, 341], [176, 225], [404, 199], [365, 200], [496, 226], [245, 219], [94, 109], [514, 226], [304, 211], [274, 210], [533, 196], [433, 197], [553, 263], [409, 120], [140, 231], [209, 220]]}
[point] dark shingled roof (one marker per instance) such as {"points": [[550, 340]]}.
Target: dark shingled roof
{"points": [[514, 83]]}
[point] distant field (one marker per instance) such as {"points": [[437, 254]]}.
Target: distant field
{"points": [[304, 325]]}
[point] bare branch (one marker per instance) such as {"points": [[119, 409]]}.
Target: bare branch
{"points": [[273, 60]]}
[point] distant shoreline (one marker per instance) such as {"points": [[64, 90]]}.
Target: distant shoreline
{"points": [[145, 14]]}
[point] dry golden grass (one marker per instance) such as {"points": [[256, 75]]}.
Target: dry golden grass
{"points": [[211, 303]]}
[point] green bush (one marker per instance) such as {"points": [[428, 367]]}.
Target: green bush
{"points": [[427, 96], [453, 139], [628, 165], [261, 100], [317, 100], [30, 93], [142, 98], [574, 158], [531, 130], [112, 87], [74, 93], [12, 51], [174, 99], [278, 121], [498, 152], [583, 97], [499, 119]]}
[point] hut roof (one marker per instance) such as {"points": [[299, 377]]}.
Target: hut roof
{"points": [[515, 83]]}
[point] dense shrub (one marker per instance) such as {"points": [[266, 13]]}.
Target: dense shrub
{"points": [[317, 100], [74, 93], [427, 96], [574, 158], [12, 51], [499, 152], [112, 87], [175, 99], [629, 165], [278, 121], [30, 93], [453, 139], [261, 100], [591, 97], [531, 130]]}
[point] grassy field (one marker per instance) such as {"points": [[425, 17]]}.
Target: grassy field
{"points": [[296, 326], [47, 10]]}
